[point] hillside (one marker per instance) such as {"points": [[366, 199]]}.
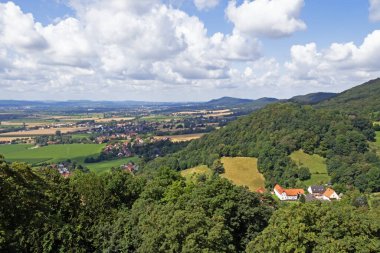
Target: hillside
{"points": [[312, 98], [363, 99], [227, 102], [274, 132]]}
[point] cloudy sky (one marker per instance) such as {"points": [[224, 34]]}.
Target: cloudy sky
{"points": [[185, 50]]}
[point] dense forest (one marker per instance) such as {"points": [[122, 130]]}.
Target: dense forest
{"points": [[40, 211], [360, 100], [274, 132]]}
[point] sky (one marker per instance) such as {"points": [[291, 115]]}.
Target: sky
{"points": [[185, 50]]}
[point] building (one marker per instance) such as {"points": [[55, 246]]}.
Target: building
{"points": [[321, 193], [287, 194], [330, 194]]}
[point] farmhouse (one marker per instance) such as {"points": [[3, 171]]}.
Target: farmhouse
{"points": [[321, 193], [287, 194]]}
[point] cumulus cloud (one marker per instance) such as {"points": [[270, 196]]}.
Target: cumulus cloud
{"points": [[374, 10], [341, 62], [205, 4], [269, 18]]}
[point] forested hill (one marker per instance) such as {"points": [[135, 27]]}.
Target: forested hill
{"points": [[312, 98], [363, 99], [272, 133]]}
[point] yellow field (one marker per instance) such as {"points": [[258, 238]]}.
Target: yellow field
{"points": [[179, 138], [47, 131], [190, 173], [243, 171], [9, 139]]}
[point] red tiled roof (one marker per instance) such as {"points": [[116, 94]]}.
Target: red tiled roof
{"points": [[329, 192], [289, 192]]}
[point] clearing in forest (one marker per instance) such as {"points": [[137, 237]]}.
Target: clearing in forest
{"points": [[243, 171], [315, 163]]}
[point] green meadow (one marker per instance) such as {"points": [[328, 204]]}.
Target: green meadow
{"points": [[49, 154], [315, 163], [106, 166]]}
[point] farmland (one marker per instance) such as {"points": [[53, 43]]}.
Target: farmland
{"points": [[315, 163], [182, 137], [376, 145], [46, 131], [105, 166], [243, 171], [49, 154]]}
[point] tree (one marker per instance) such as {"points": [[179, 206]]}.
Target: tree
{"points": [[217, 167]]}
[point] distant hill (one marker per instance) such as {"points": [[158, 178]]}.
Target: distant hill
{"points": [[312, 98], [228, 101], [363, 99]]}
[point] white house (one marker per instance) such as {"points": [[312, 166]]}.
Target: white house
{"points": [[330, 194], [287, 194]]}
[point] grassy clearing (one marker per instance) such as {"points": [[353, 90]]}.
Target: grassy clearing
{"points": [[376, 145], [50, 154], [106, 166], [80, 136], [182, 137], [160, 118], [316, 165], [243, 171], [192, 172]]}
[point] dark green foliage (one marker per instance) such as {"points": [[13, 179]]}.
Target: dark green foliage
{"points": [[217, 167], [317, 227], [118, 212], [312, 98], [360, 100]]}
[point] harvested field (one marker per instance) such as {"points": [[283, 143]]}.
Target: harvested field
{"points": [[47, 131], [179, 138], [243, 171]]}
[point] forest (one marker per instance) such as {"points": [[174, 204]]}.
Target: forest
{"points": [[276, 131], [40, 211]]}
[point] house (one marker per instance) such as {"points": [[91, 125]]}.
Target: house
{"points": [[316, 189], [321, 193], [330, 194], [287, 194], [261, 190]]}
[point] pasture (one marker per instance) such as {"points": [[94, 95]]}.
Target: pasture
{"points": [[105, 166], [243, 171], [49, 154], [192, 172], [376, 145], [315, 163]]}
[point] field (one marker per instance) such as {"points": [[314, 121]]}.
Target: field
{"points": [[179, 138], [202, 169], [47, 131], [50, 154], [376, 145], [243, 171], [106, 166], [316, 165]]}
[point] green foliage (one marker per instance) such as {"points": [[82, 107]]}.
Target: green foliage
{"points": [[217, 167], [360, 100], [317, 227], [276, 131]]}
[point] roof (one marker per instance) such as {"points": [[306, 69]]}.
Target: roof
{"points": [[310, 197], [318, 189], [260, 190], [278, 188], [289, 192], [329, 192]]}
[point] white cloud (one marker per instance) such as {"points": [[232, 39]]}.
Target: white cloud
{"points": [[337, 65], [269, 18], [374, 10], [206, 4]]}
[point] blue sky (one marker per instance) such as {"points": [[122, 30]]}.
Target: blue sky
{"points": [[272, 48]]}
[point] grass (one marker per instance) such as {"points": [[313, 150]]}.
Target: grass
{"points": [[376, 145], [50, 154], [243, 171], [190, 173], [315, 163], [79, 136], [106, 166], [154, 118]]}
